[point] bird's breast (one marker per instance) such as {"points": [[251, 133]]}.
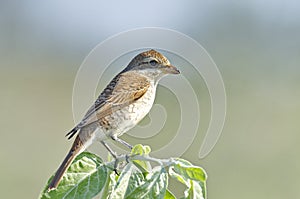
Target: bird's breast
{"points": [[126, 118]]}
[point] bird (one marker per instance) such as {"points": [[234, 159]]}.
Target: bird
{"points": [[124, 102]]}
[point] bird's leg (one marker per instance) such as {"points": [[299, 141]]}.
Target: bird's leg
{"points": [[113, 154], [115, 138]]}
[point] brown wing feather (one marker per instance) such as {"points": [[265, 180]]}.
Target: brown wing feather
{"points": [[123, 90]]}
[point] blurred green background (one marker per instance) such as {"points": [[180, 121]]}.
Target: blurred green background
{"points": [[255, 44]]}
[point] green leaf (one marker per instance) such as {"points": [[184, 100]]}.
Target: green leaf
{"points": [[141, 150], [132, 184], [190, 171], [129, 180], [182, 162], [136, 179], [192, 176], [85, 178], [193, 173], [169, 195], [122, 183], [154, 186], [109, 185], [194, 191]]}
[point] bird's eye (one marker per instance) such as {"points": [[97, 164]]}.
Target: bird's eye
{"points": [[153, 62]]}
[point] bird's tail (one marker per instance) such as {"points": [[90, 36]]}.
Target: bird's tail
{"points": [[77, 148]]}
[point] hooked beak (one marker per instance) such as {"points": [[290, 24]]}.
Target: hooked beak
{"points": [[170, 69]]}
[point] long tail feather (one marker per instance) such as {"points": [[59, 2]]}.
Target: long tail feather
{"points": [[77, 148]]}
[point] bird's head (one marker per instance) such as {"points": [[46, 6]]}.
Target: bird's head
{"points": [[153, 64]]}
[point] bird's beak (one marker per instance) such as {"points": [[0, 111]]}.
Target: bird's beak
{"points": [[171, 69]]}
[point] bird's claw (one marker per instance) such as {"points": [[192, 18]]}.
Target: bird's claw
{"points": [[116, 166], [116, 172], [127, 158]]}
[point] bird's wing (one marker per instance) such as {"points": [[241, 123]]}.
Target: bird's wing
{"points": [[123, 90]]}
